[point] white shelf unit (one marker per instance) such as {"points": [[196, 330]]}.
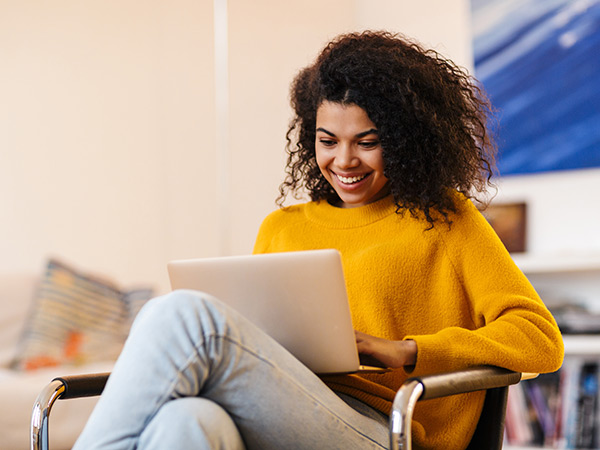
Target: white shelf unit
{"points": [[557, 262], [582, 345], [519, 447], [566, 278]]}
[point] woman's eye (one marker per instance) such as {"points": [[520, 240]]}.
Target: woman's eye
{"points": [[369, 144], [327, 142]]}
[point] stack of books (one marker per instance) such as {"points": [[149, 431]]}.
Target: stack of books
{"points": [[558, 410]]}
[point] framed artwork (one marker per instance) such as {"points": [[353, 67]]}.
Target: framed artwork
{"points": [[539, 61], [509, 220]]}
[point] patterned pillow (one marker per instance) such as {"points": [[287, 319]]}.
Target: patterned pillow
{"points": [[135, 300], [76, 318]]}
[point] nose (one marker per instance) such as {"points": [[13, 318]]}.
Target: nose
{"points": [[345, 157]]}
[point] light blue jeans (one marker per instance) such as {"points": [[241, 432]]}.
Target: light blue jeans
{"points": [[194, 374]]}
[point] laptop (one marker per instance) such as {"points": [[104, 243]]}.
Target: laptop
{"points": [[298, 298]]}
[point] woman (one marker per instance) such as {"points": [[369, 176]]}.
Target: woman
{"points": [[390, 142]]}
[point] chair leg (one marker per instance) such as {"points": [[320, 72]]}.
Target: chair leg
{"points": [[39, 415], [490, 429]]}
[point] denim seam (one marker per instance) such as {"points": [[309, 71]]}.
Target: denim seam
{"points": [[250, 351]]}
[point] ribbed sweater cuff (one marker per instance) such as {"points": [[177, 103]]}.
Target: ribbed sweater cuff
{"points": [[433, 356]]}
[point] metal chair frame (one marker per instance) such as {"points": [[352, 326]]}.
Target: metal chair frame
{"points": [[489, 433]]}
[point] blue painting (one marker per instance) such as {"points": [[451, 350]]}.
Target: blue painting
{"points": [[539, 61]]}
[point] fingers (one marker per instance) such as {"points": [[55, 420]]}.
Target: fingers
{"points": [[360, 335]]}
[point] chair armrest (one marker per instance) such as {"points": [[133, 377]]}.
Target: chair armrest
{"points": [[469, 380], [73, 386], [413, 390], [441, 385], [88, 385]]}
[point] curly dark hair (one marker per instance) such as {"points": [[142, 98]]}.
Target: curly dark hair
{"points": [[430, 115]]}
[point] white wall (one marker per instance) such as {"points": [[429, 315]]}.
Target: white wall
{"points": [[108, 149], [106, 132], [563, 211], [270, 41], [439, 24]]}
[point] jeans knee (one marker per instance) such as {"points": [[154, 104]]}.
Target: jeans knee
{"points": [[192, 421], [181, 307], [196, 410], [177, 302]]}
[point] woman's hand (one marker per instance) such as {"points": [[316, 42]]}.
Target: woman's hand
{"points": [[390, 353]]}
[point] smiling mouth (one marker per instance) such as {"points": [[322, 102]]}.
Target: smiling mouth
{"points": [[351, 180]]}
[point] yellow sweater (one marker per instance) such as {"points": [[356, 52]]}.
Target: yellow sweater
{"points": [[454, 290]]}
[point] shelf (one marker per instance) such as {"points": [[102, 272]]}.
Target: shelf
{"points": [[582, 345], [566, 278], [557, 263], [521, 447]]}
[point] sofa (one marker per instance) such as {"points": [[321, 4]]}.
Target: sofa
{"points": [[22, 299]]}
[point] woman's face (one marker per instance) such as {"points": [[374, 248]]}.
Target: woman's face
{"points": [[349, 154]]}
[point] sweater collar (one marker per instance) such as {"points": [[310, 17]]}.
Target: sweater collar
{"points": [[331, 216]]}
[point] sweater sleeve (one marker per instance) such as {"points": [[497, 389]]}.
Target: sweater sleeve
{"points": [[513, 327]]}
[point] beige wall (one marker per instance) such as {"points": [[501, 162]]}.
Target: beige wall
{"points": [[270, 41], [439, 24], [106, 134], [109, 156]]}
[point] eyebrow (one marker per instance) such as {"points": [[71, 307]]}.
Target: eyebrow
{"points": [[359, 135]]}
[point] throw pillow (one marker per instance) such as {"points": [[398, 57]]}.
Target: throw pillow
{"points": [[76, 318]]}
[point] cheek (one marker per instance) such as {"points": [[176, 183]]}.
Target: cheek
{"points": [[322, 161], [376, 162]]}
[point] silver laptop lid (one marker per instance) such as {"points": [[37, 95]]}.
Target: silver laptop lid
{"points": [[298, 298]]}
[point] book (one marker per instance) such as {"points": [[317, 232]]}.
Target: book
{"points": [[559, 410], [586, 423]]}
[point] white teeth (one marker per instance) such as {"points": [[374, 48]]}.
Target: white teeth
{"points": [[350, 180]]}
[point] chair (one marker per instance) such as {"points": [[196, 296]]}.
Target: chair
{"points": [[488, 434]]}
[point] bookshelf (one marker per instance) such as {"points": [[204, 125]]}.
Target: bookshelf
{"points": [[565, 279], [560, 263], [582, 345]]}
